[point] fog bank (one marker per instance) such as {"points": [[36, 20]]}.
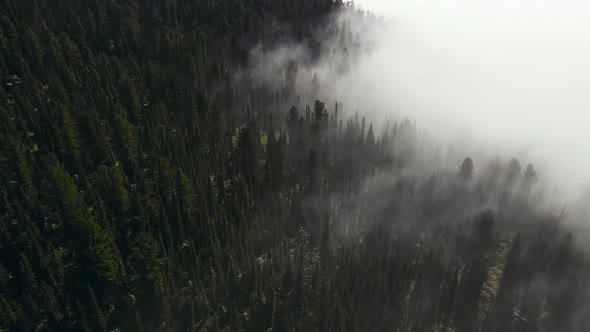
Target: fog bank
{"points": [[510, 76]]}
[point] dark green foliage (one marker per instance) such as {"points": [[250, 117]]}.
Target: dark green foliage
{"points": [[143, 189]]}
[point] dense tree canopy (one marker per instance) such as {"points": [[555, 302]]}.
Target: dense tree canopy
{"points": [[142, 188]]}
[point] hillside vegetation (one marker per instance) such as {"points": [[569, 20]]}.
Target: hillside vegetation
{"points": [[143, 189]]}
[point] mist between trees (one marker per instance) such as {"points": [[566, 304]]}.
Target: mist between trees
{"points": [[196, 165]]}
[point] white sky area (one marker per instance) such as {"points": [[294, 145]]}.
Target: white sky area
{"points": [[510, 75]]}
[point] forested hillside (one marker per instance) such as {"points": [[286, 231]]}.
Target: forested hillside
{"points": [[146, 187]]}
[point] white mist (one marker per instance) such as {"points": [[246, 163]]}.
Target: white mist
{"points": [[513, 76]]}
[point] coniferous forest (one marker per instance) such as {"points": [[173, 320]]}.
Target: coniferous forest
{"points": [[146, 187]]}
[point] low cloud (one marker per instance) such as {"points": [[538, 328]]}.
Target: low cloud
{"points": [[488, 78]]}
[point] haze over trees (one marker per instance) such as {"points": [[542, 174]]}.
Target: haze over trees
{"points": [[144, 186]]}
